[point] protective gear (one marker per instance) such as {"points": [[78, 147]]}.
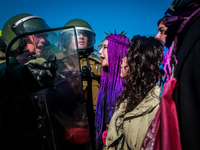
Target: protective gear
{"points": [[95, 74], [22, 23], [85, 46], [83, 29], [44, 71], [25, 57], [87, 58], [43, 117]]}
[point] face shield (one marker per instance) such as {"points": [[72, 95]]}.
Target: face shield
{"points": [[85, 40], [29, 24], [68, 41], [86, 37], [36, 42], [60, 109]]}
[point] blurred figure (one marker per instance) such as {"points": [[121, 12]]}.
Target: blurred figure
{"points": [[139, 102], [18, 124], [112, 51], [182, 63]]}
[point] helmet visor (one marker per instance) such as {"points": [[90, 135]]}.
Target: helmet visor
{"points": [[86, 38], [29, 24], [67, 40], [35, 24]]}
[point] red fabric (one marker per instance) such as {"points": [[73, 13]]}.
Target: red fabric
{"points": [[152, 139], [77, 135], [104, 135], [170, 134], [163, 133]]}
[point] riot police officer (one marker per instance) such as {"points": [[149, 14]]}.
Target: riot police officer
{"points": [[18, 125], [86, 40], [90, 66]]}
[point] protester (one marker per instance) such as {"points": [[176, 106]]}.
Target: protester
{"points": [[139, 102], [182, 63], [161, 30], [112, 52]]}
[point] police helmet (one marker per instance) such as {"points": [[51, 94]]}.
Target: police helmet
{"points": [[83, 29], [22, 23]]}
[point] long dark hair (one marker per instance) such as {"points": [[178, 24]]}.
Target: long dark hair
{"points": [[143, 57]]}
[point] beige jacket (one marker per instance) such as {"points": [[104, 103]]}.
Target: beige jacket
{"points": [[135, 123]]}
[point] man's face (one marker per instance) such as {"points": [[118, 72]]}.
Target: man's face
{"points": [[124, 68], [161, 32], [82, 40], [36, 43], [104, 53]]}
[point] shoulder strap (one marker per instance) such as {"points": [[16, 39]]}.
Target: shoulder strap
{"points": [[122, 146]]}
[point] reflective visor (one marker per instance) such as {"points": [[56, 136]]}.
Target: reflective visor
{"points": [[86, 38], [68, 39], [29, 24]]}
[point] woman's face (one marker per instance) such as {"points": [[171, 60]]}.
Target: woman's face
{"points": [[124, 68], [104, 53]]}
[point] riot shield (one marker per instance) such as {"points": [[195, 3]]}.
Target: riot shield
{"points": [[60, 111]]}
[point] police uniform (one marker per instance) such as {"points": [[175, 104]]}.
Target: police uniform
{"points": [[92, 65], [96, 68]]}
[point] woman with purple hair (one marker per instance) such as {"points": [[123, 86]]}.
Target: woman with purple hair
{"points": [[112, 52]]}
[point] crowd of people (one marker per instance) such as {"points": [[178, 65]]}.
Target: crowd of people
{"points": [[141, 93]]}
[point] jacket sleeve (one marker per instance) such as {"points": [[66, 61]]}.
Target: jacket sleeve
{"points": [[16, 79]]}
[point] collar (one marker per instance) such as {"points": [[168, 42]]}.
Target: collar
{"points": [[147, 104]]}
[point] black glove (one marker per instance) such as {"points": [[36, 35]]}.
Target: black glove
{"points": [[25, 57], [43, 71], [85, 73]]}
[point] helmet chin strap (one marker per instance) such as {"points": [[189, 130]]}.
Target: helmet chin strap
{"points": [[34, 45]]}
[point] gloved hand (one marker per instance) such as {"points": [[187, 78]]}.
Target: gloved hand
{"points": [[43, 71], [25, 57]]}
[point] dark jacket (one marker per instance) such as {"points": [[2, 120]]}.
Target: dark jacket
{"points": [[18, 127], [187, 95]]}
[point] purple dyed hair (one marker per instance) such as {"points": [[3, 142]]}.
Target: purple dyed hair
{"points": [[110, 80]]}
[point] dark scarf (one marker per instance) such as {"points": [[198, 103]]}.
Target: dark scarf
{"points": [[180, 15]]}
